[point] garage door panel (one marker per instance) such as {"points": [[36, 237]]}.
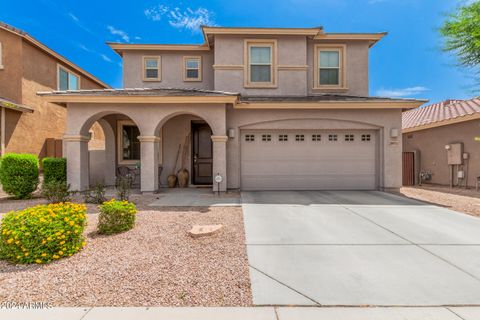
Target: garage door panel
{"points": [[308, 164]]}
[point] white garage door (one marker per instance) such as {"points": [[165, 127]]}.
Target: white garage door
{"points": [[308, 160]]}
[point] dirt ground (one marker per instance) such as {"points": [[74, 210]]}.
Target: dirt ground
{"points": [[458, 199], [154, 264]]}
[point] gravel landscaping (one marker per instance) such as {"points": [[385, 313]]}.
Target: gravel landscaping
{"points": [[461, 200], [155, 264]]}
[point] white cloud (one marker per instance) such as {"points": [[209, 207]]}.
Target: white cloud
{"points": [[400, 93], [117, 32], [85, 48], [73, 17], [156, 13], [99, 54], [190, 19], [104, 57], [180, 18]]}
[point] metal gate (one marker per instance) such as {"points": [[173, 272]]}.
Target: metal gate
{"points": [[408, 169]]}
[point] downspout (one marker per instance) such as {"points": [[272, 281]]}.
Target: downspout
{"points": [[2, 132]]}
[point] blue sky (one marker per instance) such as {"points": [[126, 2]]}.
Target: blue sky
{"points": [[407, 63]]}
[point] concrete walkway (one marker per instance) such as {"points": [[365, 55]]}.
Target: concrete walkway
{"points": [[259, 313], [195, 197], [359, 249]]}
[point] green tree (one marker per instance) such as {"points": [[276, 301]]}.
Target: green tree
{"points": [[461, 31]]}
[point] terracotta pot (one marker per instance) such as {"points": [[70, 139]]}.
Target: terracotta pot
{"points": [[172, 181], [183, 175]]}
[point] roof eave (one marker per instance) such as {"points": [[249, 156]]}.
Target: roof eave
{"points": [[137, 99], [119, 48], [15, 106], [332, 105], [373, 38]]}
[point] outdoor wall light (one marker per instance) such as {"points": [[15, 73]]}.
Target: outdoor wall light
{"points": [[394, 133], [231, 133]]}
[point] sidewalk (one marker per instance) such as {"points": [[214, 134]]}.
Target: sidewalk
{"points": [[257, 313]]}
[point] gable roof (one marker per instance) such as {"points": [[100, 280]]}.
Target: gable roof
{"points": [[441, 114], [44, 48]]}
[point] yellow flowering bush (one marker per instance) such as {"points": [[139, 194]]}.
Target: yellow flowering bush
{"points": [[116, 216], [43, 233]]}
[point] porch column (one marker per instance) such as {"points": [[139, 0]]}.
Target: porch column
{"points": [[76, 152], [220, 161], [149, 163]]}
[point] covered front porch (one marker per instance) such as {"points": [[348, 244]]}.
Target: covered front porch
{"points": [[151, 133]]}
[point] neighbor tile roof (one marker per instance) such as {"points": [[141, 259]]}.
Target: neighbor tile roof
{"points": [[440, 112]]}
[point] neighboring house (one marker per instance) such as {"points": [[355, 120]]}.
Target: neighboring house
{"points": [[430, 133], [264, 108], [28, 123]]}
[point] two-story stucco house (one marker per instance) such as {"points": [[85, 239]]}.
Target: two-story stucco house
{"points": [[264, 108], [28, 123]]}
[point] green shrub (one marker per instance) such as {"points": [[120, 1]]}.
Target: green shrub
{"points": [[54, 169], [42, 233], [116, 216], [96, 195], [19, 174], [56, 191]]}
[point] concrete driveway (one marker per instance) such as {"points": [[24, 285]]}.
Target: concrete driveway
{"points": [[347, 248]]}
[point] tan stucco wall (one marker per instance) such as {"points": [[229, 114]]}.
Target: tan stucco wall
{"points": [[173, 135], [431, 144], [11, 75], [291, 51], [33, 70], [356, 71], [171, 123], [171, 70], [389, 154]]}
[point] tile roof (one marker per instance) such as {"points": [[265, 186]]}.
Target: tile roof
{"points": [[322, 97], [167, 91], [157, 92], [438, 113]]}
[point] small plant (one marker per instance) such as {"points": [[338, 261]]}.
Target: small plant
{"points": [[54, 169], [96, 195], [56, 191], [19, 174], [123, 186], [116, 216], [43, 233]]}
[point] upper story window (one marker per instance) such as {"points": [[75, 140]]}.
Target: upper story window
{"points": [[260, 59], [1, 57], [329, 67], [67, 80], [192, 68], [152, 68]]}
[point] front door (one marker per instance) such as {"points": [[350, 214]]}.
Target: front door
{"points": [[202, 153]]}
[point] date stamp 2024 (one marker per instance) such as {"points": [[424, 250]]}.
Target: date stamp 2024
{"points": [[24, 305]]}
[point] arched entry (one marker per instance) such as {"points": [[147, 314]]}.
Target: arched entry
{"points": [[88, 162], [186, 144]]}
